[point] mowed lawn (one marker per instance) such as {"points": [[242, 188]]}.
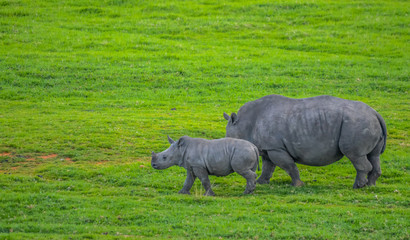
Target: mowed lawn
{"points": [[89, 88]]}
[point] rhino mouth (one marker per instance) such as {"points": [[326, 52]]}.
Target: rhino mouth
{"points": [[154, 165], [154, 158]]}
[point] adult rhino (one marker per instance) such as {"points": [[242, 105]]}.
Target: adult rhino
{"points": [[313, 131]]}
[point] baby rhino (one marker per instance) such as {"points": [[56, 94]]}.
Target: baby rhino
{"points": [[201, 157]]}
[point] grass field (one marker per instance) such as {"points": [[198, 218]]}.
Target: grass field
{"points": [[89, 88]]}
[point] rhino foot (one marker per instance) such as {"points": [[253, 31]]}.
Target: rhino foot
{"points": [[360, 184], [182, 191], [371, 183], [373, 176], [360, 181], [298, 183], [248, 192], [209, 193], [262, 181]]}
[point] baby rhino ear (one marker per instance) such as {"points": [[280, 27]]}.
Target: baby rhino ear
{"points": [[181, 142]]}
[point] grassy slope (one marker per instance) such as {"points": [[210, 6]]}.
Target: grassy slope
{"points": [[96, 81]]}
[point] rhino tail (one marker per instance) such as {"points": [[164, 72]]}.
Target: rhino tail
{"points": [[384, 130]]}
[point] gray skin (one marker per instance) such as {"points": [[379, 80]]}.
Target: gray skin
{"points": [[201, 157], [313, 131]]}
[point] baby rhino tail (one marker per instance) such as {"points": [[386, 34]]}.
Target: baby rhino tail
{"points": [[384, 130], [257, 155]]}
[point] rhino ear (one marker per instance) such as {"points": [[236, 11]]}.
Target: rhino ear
{"points": [[234, 118], [226, 116], [181, 142], [170, 140]]}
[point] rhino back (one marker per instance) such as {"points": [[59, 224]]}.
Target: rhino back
{"points": [[308, 129]]}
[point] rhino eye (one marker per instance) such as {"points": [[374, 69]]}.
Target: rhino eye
{"points": [[163, 158]]}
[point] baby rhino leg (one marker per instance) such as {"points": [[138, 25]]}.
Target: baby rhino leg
{"points": [[189, 181], [244, 162], [202, 174], [250, 177]]}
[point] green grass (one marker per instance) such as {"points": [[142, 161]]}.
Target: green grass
{"points": [[101, 84]]}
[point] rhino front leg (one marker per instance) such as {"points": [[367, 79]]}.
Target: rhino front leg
{"points": [[267, 170], [202, 174], [189, 181]]}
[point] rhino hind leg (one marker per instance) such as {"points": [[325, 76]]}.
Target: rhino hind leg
{"points": [[267, 170], [363, 168], [283, 160], [202, 174], [250, 177], [374, 159], [376, 172]]}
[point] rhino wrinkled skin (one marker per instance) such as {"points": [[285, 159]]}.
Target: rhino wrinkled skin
{"points": [[313, 131], [201, 157]]}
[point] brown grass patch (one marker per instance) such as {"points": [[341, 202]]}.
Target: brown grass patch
{"points": [[48, 156]]}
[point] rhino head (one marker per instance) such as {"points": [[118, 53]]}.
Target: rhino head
{"points": [[170, 157]]}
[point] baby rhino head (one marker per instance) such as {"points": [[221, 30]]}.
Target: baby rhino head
{"points": [[167, 158]]}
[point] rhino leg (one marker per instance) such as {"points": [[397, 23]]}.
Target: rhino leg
{"points": [[189, 181], [202, 174], [283, 160], [363, 167], [267, 170], [250, 177], [376, 171]]}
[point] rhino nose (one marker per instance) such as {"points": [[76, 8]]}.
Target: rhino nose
{"points": [[154, 165]]}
